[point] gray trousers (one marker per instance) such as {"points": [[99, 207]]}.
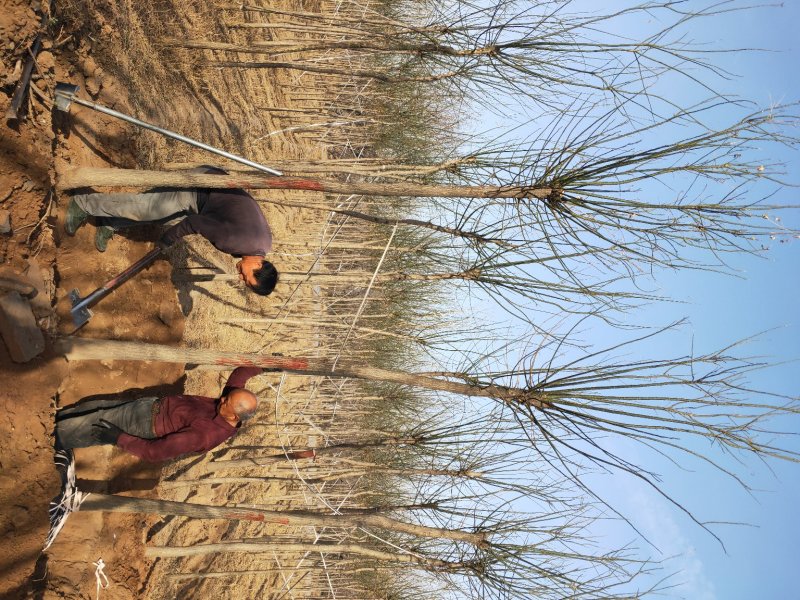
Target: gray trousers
{"points": [[123, 210], [74, 424]]}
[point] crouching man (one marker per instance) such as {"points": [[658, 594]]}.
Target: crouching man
{"points": [[228, 218], [158, 429]]}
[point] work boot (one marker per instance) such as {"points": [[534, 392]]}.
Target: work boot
{"points": [[76, 217], [101, 237]]}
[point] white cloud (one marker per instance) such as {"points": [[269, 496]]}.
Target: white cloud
{"points": [[654, 518]]}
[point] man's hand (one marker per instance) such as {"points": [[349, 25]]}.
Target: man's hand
{"points": [[163, 244], [105, 432]]}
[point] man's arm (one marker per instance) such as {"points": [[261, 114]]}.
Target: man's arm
{"points": [[191, 224], [239, 378], [166, 447]]}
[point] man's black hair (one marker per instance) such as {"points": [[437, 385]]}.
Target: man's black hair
{"points": [[266, 278]]}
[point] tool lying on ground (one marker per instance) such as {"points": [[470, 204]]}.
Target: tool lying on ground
{"points": [[13, 112], [65, 95], [80, 306]]}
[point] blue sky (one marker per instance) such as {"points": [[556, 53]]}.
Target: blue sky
{"points": [[760, 553], [761, 558]]}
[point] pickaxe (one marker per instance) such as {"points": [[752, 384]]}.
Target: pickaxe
{"points": [[65, 95], [80, 306]]}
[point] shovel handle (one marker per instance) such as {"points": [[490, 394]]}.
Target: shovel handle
{"points": [[139, 265], [112, 284]]}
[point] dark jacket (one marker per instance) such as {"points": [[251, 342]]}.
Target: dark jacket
{"points": [[230, 219]]}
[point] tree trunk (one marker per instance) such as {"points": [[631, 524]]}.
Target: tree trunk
{"points": [[292, 518], [270, 545], [365, 467], [383, 45], [319, 324], [91, 349], [388, 442], [97, 177], [312, 67], [348, 277]]}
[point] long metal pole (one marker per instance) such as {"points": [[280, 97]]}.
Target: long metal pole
{"points": [[176, 136]]}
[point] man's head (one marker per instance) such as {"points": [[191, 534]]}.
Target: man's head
{"points": [[259, 274], [238, 405]]}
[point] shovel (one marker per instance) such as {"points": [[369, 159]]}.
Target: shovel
{"points": [[65, 96], [80, 306]]}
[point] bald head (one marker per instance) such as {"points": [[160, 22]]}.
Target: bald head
{"points": [[244, 403]]}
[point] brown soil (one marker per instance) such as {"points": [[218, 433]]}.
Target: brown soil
{"points": [[147, 308], [82, 46]]}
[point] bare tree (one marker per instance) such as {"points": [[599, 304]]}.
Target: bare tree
{"points": [[529, 53], [660, 403], [581, 198]]}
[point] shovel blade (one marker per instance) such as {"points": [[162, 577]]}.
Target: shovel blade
{"points": [[64, 93], [80, 313]]}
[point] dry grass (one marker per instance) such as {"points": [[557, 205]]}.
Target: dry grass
{"points": [[168, 87]]}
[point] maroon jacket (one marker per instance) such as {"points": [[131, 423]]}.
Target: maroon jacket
{"points": [[187, 424]]}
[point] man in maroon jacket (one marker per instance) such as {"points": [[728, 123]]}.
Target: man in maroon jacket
{"points": [[158, 429]]}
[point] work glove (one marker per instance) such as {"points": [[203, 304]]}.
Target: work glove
{"points": [[105, 432]]}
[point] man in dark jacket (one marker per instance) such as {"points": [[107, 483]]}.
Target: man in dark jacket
{"points": [[228, 218], [158, 429]]}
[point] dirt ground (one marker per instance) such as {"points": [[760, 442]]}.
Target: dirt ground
{"points": [[155, 306], [30, 152]]}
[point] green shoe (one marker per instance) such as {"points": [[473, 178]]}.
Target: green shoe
{"points": [[76, 217], [101, 238]]}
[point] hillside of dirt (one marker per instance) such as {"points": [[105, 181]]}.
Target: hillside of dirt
{"points": [[107, 51], [36, 246]]}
